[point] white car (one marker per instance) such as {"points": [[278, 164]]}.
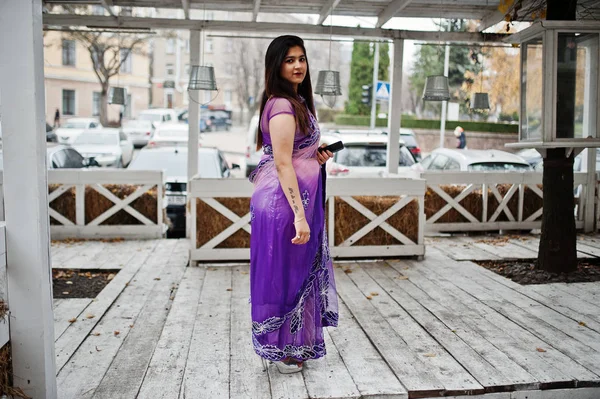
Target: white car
{"points": [[139, 132], [455, 160], [158, 115], [365, 155], [171, 134], [68, 132], [109, 147]]}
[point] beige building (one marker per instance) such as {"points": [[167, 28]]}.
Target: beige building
{"points": [[73, 88]]}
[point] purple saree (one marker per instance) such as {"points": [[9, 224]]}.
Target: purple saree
{"points": [[292, 289]]}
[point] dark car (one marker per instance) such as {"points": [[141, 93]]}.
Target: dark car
{"points": [[204, 120], [64, 157], [219, 120], [50, 134], [173, 160]]}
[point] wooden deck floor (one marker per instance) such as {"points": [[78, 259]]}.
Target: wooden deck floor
{"points": [[439, 327]]}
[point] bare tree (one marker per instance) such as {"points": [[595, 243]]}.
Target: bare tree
{"points": [[108, 52], [249, 74]]}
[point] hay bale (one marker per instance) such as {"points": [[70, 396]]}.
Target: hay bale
{"points": [[209, 222], [6, 375], [473, 203], [348, 220], [65, 204], [96, 204]]}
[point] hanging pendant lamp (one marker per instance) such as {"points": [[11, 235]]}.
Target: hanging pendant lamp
{"points": [[328, 87], [480, 101], [202, 77], [117, 95], [436, 88], [328, 81]]}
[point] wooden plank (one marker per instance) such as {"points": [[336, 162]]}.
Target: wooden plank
{"points": [[533, 244], [77, 332], [357, 352], [127, 370], [504, 250], [86, 255], [489, 294], [107, 231], [80, 377], [207, 370], [247, 378], [66, 310], [319, 374], [165, 372], [562, 316], [515, 342], [589, 292], [463, 251], [409, 368], [68, 251], [486, 364]]}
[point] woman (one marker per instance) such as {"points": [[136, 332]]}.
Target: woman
{"points": [[292, 289]]}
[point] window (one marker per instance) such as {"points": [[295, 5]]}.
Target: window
{"points": [[171, 46], [209, 45], [426, 162], [122, 136], [439, 162], [59, 159], [68, 52], [187, 45], [170, 70], [452, 165], [126, 56], [68, 102], [96, 103], [227, 97], [95, 59], [74, 159], [406, 158]]}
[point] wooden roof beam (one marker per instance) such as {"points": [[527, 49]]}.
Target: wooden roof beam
{"points": [[390, 11], [107, 4], [490, 19], [255, 10], [326, 10], [185, 4]]}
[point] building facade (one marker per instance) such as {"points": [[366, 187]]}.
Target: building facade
{"points": [[73, 88]]}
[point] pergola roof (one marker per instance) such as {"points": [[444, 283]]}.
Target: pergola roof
{"points": [[384, 10]]}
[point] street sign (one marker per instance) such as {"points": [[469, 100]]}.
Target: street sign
{"points": [[383, 90]]}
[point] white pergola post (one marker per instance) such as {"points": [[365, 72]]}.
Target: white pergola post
{"points": [[26, 197], [194, 129], [395, 108]]}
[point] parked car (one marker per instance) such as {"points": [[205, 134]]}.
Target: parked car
{"points": [[454, 160], [219, 120], [252, 156], [73, 127], [173, 160], [366, 156], [109, 147], [65, 157], [406, 135], [203, 120], [535, 159], [171, 134], [139, 132], [50, 134], [158, 115]]}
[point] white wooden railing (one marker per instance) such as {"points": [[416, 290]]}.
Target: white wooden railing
{"points": [[406, 190], [4, 321], [96, 179], [486, 184]]}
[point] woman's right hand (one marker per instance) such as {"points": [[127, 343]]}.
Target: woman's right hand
{"points": [[302, 232]]}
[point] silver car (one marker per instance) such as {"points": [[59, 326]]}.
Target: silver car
{"points": [[139, 132], [454, 160]]}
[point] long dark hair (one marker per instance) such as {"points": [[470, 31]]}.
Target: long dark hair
{"points": [[276, 86]]}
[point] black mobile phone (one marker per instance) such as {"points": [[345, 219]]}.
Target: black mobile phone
{"points": [[334, 147]]}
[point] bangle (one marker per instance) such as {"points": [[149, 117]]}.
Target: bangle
{"points": [[299, 220]]}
